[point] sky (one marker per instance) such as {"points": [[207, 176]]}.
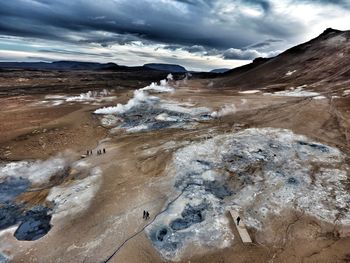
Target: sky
{"points": [[197, 34]]}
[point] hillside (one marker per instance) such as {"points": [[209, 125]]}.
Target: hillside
{"points": [[321, 61]]}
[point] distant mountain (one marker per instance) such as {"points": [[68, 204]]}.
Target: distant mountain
{"points": [[61, 65], [322, 61], [220, 70], [171, 68], [78, 65]]}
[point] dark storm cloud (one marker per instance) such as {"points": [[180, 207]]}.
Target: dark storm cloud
{"points": [[105, 41], [266, 6], [208, 3], [344, 3], [240, 54], [172, 47], [195, 49], [73, 52], [265, 43], [234, 29], [182, 22]]}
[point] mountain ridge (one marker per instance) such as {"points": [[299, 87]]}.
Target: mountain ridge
{"points": [[323, 59], [66, 65]]}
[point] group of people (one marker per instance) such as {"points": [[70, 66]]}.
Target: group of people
{"points": [[145, 215], [99, 152]]}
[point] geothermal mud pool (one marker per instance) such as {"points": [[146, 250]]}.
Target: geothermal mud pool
{"points": [[64, 198], [260, 171], [146, 113]]}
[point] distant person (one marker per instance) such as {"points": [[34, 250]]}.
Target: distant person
{"points": [[147, 215], [144, 214], [238, 219], [87, 152], [104, 150], [91, 152]]}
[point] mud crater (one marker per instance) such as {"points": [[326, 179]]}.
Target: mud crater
{"points": [[260, 171]]}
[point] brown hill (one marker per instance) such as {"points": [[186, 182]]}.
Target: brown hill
{"points": [[320, 62]]}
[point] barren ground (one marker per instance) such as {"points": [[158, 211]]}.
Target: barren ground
{"points": [[135, 167]]}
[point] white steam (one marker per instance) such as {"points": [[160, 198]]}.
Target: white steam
{"points": [[37, 172], [253, 91], [90, 96], [141, 96], [76, 197], [226, 110], [166, 117], [163, 87]]}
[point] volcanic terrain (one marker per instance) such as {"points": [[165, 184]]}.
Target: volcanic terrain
{"points": [[85, 151]]}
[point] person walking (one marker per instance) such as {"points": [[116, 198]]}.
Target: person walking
{"points": [[104, 150], [238, 219], [144, 214]]}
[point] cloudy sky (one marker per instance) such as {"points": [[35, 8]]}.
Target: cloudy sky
{"points": [[198, 34]]}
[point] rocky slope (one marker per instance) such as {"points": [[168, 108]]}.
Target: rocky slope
{"points": [[320, 62]]}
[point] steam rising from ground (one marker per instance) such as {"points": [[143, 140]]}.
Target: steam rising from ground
{"points": [[75, 197], [226, 110], [141, 96], [37, 172], [88, 97], [91, 96], [162, 87], [253, 91], [262, 172], [144, 112]]}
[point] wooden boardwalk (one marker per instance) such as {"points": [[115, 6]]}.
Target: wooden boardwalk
{"points": [[242, 231]]}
